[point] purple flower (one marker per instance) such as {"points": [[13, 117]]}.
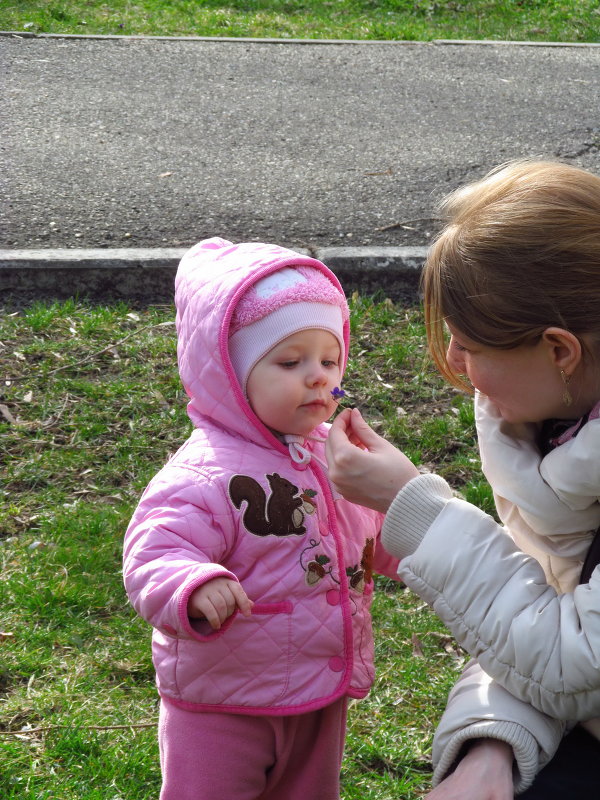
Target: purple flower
{"points": [[337, 393]]}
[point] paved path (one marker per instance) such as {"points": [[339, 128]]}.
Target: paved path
{"points": [[159, 143], [156, 143]]}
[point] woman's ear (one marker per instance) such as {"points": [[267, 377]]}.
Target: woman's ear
{"points": [[564, 349]]}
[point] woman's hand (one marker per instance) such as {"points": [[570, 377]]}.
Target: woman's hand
{"points": [[364, 467], [216, 600], [484, 773]]}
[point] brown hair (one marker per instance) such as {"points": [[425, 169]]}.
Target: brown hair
{"points": [[520, 252]]}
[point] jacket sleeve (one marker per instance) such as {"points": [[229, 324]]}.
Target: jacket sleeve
{"points": [[543, 648], [360, 522], [172, 546], [384, 562], [479, 708]]}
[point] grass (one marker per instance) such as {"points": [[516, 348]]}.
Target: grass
{"points": [[532, 20], [90, 407]]}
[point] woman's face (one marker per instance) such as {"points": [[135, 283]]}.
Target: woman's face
{"points": [[524, 382]]}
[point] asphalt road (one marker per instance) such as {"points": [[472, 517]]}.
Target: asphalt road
{"points": [[159, 143]]}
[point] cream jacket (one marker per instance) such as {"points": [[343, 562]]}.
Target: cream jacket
{"points": [[537, 651]]}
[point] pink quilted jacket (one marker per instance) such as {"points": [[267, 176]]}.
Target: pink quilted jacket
{"points": [[232, 502]]}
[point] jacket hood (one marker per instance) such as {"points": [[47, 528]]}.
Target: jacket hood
{"points": [[210, 280]]}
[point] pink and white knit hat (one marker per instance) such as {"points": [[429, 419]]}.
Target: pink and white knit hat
{"points": [[287, 301]]}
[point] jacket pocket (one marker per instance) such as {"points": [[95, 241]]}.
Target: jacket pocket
{"points": [[249, 665]]}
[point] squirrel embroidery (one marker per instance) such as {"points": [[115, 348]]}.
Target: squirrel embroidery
{"points": [[279, 515], [359, 576]]}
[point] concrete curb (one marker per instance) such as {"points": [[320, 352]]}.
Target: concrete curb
{"points": [[139, 275], [256, 40]]}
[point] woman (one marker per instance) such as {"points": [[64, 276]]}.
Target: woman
{"points": [[514, 278]]}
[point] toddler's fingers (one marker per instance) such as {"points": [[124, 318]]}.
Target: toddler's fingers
{"points": [[211, 614], [223, 604], [241, 599]]}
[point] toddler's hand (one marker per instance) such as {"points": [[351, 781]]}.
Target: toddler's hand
{"points": [[216, 600]]}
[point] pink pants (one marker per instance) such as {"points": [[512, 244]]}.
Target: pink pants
{"points": [[238, 757]]}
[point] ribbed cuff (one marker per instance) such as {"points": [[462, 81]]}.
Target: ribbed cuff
{"points": [[525, 750], [412, 512]]}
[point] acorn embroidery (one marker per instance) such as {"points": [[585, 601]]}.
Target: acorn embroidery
{"points": [[315, 570], [357, 579], [309, 506]]}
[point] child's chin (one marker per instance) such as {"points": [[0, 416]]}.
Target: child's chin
{"points": [[306, 431]]}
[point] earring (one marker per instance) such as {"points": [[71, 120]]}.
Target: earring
{"points": [[567, 399]]}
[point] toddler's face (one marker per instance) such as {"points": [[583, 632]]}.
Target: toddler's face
{"points": [[289, 389]]}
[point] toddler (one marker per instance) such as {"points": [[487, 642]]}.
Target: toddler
{"points": [[255, 575]]}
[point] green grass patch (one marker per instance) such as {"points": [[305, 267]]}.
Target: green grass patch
{"points": [[534, 20], [90, 408]]}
